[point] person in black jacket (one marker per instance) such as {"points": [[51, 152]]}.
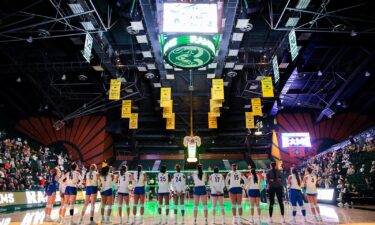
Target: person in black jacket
{"points": [[274, 181]]}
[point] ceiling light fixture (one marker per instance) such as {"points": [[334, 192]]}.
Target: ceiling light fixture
{"points": [[320, 73], [149, 76], [19, 80], [353, 33], [63, 77], [232, 74], [29, 39], [367, 74]]}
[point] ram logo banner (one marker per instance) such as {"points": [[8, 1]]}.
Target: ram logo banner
{"points": [[6, 198], [33, 197]]}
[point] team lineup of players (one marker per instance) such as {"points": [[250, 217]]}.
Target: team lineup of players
{"points": [[127, 182]]}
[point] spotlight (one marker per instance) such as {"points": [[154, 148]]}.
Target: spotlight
{"points": [[264, 56], [338, 103], [320, 73], [258, 132], [29, 39], [46, 107], [298, 103], [213, 141], [19, 80], [231, 74], [82, 77], [367, 74], [63, 77], [353, 33], [84, 106]]}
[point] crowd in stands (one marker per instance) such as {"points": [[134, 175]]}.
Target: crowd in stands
{"points": [[23, 167], [349, 169]]}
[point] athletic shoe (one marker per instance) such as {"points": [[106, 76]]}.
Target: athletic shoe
{"points": [[283, 220], [251, 220], [294, 219], [270, 220], [120, 220], [205, 221], [102, 220], [240, 220], [195, 222], [80, 221], [183, 220], [213, 221], [92, 223], [234, 221]]}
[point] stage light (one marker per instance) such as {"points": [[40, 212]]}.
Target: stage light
{"points": [[242, 23], [229, 65], [367, 74], [63, 77], [46, 107], [29, 39], [237, 36], [212, 65], [231, 74], [238, 67], [147, 54], [169, 76], [210, 76], [320, 73], [149, 76], [88, 25], [141, 39], [19, 80], [151, 66], [292, 21], [137, 25], [302, 4], [157, 85], [76, 8], [141, 68], [233, 52], [353, 33]]}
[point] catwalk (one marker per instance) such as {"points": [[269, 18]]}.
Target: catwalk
{"points": [[330, 214]]}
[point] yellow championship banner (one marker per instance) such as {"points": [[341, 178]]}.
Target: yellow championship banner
{"points": [[171, 122], [133, 121], [165, 97], [216, 103], [212, 122], [249, 116], [267, 87], [167, 112], [114, 89], [217, 91], [256, 105], [126, 109]]}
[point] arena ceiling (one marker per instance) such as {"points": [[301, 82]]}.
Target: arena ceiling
{"points": [[44, 73]]}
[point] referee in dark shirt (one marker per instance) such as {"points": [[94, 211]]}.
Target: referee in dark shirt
{"points": [[274, 181]]}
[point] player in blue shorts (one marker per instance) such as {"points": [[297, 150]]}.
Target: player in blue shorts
{"points": [[139, 180], [73, 180], [90, 181], [217, 186], [124, 181], [294, 184], [233, 183], [105, 183], [200, 193], [309, 187], [253, 184], [50, 190], [163, 193]]}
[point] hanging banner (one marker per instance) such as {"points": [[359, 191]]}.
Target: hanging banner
{"points": [[275, 66], [293, 44], [212, 122], [256, 105], [249, 118], [114, 89], [165, 97], [267, 87], [86, 53], [133, 121], [167, 112], [217, 91], [126, 109], [171, 122]]}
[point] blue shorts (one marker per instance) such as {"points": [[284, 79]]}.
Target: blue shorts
{"points": [[216, 195], [200, 190], [91, 190], [254, 193], [313, 195], [163, 194], [236, 190], [123, 194], [106, 192], [50, 191], [139, 190], [70, 190]]}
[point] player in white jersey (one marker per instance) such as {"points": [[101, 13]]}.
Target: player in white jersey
{"points": [[124, 181], [233, 183], [73, 180], [217, 185], [163, 193], [105, 183], [253, 183], [179, 188], [62, 186], [90, 181], [139, 180], [200, 192], [294, 184], [309, 185]]}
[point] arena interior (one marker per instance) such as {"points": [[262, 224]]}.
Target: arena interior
{"points": [[187, 112]]}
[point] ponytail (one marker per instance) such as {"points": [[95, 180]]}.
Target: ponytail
{"points": [[139, 169], [124, 168], [254, 175], [200, 171], [178, 168], [273, 165], [295, 172]]}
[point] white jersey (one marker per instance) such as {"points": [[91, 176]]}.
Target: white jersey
{"points": [[294, 183], [234, 178], [123, 182], [73, 178], [106, 182], [198, 182], [163, 183], [62, 184], [91, 178], [179, 182], [139, 181], [216, 183], [251, 185], [311, 184]]}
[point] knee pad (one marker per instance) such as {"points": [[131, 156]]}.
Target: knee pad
{"points": [[49, 206], [294, 208], [233, 206], [205, 207], [302, 207], [141, 205], [195, 208], [71, 206], [239, 206], [167, 207], [182, 207], [109, 207], [102, 207], [160, 206]]}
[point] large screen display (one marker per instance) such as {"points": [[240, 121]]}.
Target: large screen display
{"points": [[190, 18], [295, 140], [325, 194]]}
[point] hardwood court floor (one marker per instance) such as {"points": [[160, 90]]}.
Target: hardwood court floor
{"points": [[331, 215]]}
